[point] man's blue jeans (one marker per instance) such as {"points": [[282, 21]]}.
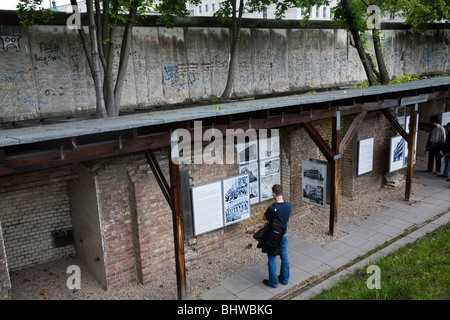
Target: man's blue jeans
{"points": [[284, 271]]}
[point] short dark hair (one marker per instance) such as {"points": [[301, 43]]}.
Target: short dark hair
{"points": [[434, 119], [277, 189]]}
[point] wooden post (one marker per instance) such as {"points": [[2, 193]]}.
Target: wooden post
{"points": [[178, 228], [334, 197], [411, 151]]}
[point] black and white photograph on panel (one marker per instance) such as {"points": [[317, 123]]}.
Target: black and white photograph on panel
{"points": [[251, 169], [397, 153], [236, 199], [269, 174], [314, 177]]}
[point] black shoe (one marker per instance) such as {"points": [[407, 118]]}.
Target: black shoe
{"points": [[282, 281], [442, 175], [266, 282]]}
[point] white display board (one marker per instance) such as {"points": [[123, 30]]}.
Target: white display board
{"points": [[445, 118], [396, 153], [314, 178], [207, 207], [236, 199], [365, 155]]}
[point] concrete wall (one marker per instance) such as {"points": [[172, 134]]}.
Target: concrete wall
{"points": [[43, 71]]}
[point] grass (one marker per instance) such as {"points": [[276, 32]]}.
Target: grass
{"points": [[417, 271]]}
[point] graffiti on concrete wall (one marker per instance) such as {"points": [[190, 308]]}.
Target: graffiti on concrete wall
{"points": [[181, 76], [10, 41]]}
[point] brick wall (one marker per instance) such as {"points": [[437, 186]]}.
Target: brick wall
{"points": [[5, 283], [86, 223], [28, 217]]}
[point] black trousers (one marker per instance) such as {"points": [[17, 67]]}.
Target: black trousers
{"points": [[433, 156]]}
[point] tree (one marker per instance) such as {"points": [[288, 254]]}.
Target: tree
{"points": [[419, 13], [233, 10], [103, 17], [347, 15]]}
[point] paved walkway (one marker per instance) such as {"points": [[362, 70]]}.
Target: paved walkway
{"points": [[309, 262]]}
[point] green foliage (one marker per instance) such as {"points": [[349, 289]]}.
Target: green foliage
{"points": [[419, 13], [31, 12], [415, 272], [406, 78], [225, 13], [363, 84]]}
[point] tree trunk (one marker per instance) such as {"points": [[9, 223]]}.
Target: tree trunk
{"points": [[358, 44], [234, 35], [124, 58], [96, 68], [384, 74]]}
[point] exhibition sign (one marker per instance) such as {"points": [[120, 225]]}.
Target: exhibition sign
{"points": [[220, 203], [365, 155], [396, 153], [314, 177], [445, 118], [208, 207]]}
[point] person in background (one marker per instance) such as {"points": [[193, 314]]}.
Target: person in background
{"points": [[446, 153], [436, 139]]}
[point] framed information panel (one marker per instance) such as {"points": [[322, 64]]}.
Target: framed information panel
{"points": [[208, 209], [397, 153], [365, 156], [314, 178]]}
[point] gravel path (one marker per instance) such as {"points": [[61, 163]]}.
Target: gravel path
{"points": [[48, 280]]}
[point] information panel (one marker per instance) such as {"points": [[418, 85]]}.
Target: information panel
{"points": [[314, 177], [208, 210], [365, 156], [397, 153]]}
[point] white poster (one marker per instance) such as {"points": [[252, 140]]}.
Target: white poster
{"points": [[207, 205], [269, 174], [236, 199], [252, 170], [365, 156], [445, 118], [397, 153], [314, 177]]}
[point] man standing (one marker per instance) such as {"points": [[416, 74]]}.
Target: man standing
{"points": [[284, 211], [446, 153], [436, 139]]}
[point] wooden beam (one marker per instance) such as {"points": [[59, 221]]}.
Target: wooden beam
{"points": [[159, 176], [178, 227], [351, 131], [334, 165], [395, 124], [320, 143]]}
